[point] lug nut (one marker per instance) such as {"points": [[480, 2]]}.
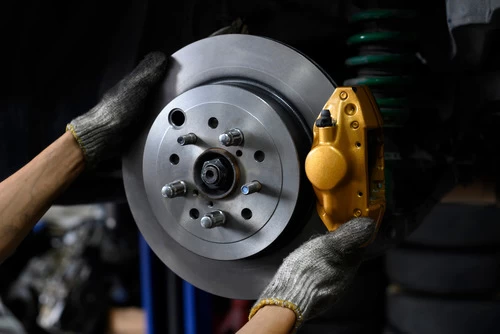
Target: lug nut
{"points": [[251, 187], [233, 137], [188, 139], [213, 219], [174, 189], [213, 173]]}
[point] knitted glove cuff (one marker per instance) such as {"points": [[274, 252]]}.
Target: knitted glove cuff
{"points": [[92, 141], [93, 137], [102, 131], [295, 290], [282, 303], [71, 129], [316, 274]]}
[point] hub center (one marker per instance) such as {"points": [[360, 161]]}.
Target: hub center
{"points": [[216, 173]]}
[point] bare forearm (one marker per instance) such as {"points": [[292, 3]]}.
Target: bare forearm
{"points": [[270, 320], [26, 195]]}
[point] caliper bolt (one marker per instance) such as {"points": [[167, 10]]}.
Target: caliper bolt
{"points": [[213, 219], [233, 137], [188, 139], [325, 119], [174, 189], [251, 187]]}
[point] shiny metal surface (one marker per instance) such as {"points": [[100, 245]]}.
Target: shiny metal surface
{"points": [[188, 139], [271, 209], [225, 77], [174, 189], [213, 219], [233, 137], [251, 187]]}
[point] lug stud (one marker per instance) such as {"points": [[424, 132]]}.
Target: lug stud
{"points": [[213, 219], [233, 137], [188, 139], [251, 187], [174, 189]]}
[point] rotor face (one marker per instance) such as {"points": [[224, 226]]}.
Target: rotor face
{"points": [[214, 173], [215, 182]]}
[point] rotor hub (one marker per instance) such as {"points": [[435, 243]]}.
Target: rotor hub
{"points": [[215, 173]]}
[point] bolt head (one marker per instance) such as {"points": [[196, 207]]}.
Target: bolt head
{"points": [[167, 191], [206, 222], [225, 139], [357, 213]]}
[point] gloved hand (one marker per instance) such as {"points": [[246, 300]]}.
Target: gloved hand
{"points": [[317, 273], [101, 131]]}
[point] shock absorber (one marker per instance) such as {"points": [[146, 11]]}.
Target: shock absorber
{"points": [[385, 59], [384, 47]]}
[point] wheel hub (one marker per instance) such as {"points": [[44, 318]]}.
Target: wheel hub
{"points": [[214, 173]]}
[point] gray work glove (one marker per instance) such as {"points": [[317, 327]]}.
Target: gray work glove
{"points": [[101, 131], [317, 273]]}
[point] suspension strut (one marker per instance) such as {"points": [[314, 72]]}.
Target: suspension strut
{"points": [[385, 60], [384, 46]]}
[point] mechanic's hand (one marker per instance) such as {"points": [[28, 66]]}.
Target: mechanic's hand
{"points": [[101, 131], [316, 274]]}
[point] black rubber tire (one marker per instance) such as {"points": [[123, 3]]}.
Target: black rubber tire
{"points": [[412, 314], [455, 225], [444, 272], [334, 327], [389, 330]]}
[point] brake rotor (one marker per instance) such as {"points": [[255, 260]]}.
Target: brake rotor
{"points": [[216, 182]]}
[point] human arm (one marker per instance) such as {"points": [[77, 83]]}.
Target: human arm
{"points": [[26, 195], [91, 138], [311, 278], [271, 320]]}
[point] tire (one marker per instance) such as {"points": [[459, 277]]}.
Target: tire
{"points": [[413, 314], [444, 272], [454, 225], [350, 327]]}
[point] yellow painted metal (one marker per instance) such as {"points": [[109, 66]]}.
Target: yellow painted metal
{"points": [[346, 161]]}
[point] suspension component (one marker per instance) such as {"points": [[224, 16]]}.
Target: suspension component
{"points": [[385, 59], [346, 162]]}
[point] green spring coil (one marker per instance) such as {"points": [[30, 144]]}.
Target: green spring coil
{"points": [[385, 59]]}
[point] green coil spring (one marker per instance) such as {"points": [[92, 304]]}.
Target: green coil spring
{"points": [[385, 59], [384, 48]]}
